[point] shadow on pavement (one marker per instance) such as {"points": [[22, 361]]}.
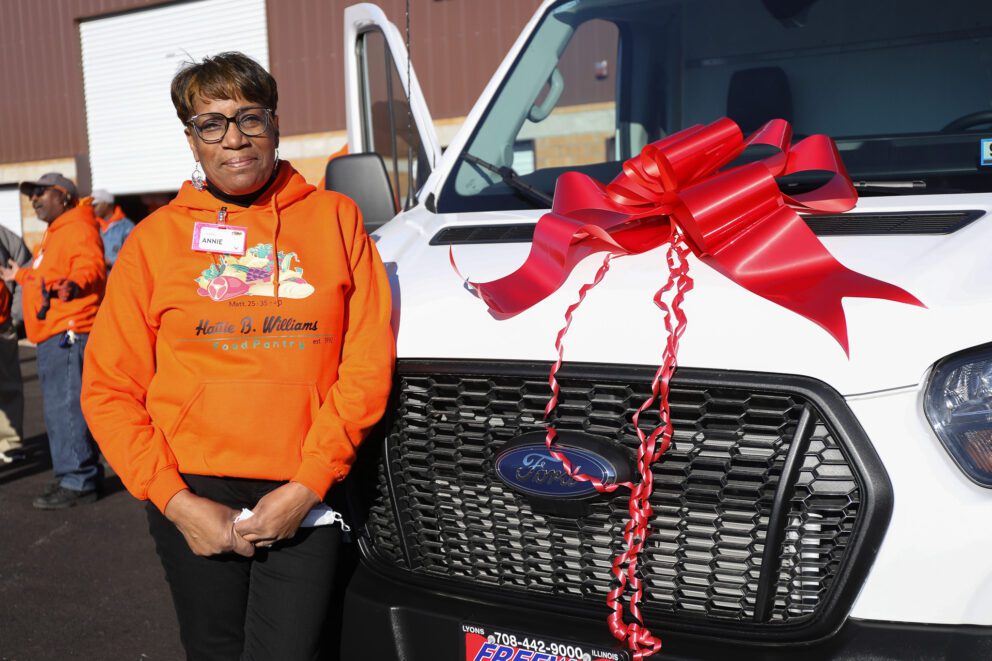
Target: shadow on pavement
{"points": [[81, 583], [37, 461], [111, 485]]}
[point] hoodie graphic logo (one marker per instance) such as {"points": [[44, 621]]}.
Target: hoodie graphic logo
{"points": [[253, 275]]}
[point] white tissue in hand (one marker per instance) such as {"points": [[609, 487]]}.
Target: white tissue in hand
{"points": [[320, 515]]}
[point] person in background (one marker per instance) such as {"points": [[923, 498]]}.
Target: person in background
{"points": [[114, 225], [62, 289], [243, 352], [11, 386]]}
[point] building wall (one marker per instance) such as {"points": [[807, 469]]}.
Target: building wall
{"points": [[41, 109], [456, 46]]}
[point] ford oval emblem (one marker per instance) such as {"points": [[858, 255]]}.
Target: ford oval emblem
{"points": [[525, 465]]}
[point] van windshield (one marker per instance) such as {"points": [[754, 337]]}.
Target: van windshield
{"points": [[903, 86]]}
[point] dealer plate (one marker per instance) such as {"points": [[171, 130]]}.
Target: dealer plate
{"points": [[484, 643]]}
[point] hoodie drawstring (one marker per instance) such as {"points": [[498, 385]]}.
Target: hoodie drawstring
{"points": [[275, 250]]}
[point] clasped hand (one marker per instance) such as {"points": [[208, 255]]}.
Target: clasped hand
{"points": [[209, 527], [8, 271], [66, 290]]}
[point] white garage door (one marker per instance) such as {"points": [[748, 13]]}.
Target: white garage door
{"points": [[10, 208], [136, 141]]}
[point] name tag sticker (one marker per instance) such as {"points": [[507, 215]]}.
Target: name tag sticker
{"points": [[224, 239], [986, 151]]}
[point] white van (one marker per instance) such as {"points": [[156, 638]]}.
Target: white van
{"points": [[813, 504]]}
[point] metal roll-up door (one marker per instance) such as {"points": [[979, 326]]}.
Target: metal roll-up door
{"points": [[136, 141], [10, 208]]}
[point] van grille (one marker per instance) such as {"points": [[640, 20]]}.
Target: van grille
{"points": [[442, 514]]}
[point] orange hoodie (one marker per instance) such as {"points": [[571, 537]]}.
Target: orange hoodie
{"points": [[71, 249], [272, 365]]}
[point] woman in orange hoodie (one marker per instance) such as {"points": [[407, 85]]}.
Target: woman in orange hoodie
{"points": [[242, 353]]}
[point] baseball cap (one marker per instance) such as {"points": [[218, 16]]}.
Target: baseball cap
{"points": [[47, 180], [102, 195]]}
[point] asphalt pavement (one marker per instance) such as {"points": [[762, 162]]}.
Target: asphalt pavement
{"points": [[82, 583]]}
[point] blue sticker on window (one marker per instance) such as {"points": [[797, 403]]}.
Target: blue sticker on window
{"points": [[986, 151]]}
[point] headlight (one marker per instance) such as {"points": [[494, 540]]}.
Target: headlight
{"points": [[959, 407]]}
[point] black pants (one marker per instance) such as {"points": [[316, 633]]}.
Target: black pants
{"points": [[271, 606]]}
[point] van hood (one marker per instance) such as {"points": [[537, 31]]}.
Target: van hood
{"points": [[892, 345]]}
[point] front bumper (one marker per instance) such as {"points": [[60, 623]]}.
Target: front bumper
{"points": [[385, 620]]}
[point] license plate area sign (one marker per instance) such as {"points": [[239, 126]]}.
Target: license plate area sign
{"points": [[488, 644]]}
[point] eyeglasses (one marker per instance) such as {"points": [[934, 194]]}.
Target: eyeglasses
{"points": [[212, 126]]}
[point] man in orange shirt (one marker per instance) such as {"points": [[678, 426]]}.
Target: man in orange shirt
{"points": [[62, 289]]}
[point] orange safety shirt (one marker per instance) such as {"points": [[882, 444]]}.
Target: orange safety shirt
{"points": [[71, 249], [269, 365]]}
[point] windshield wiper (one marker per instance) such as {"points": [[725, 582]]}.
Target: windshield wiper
{"points": [[889, 186], [512, 179]]}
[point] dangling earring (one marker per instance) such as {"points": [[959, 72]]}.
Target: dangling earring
{"points": [[197, 178], [275, 165]]}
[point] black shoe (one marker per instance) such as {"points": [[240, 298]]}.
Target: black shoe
{"points": [[10, 456], [52, 487], [61, 498]]}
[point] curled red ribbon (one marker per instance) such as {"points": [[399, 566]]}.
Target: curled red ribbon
{"points": [[737, 221], [639, 638]]}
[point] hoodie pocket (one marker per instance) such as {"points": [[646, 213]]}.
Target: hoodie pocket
{"points": [[249, 429]]}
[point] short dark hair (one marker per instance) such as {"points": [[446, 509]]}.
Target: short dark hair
{"points": [[224, 76]]}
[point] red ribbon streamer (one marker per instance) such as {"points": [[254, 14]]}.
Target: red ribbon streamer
{"points": [[624, 569], [737, 221]]}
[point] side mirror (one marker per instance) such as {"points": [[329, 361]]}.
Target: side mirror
{"points": [[363, 178]]}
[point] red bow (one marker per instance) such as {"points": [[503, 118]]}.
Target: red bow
{"points": [[736, 220]]}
